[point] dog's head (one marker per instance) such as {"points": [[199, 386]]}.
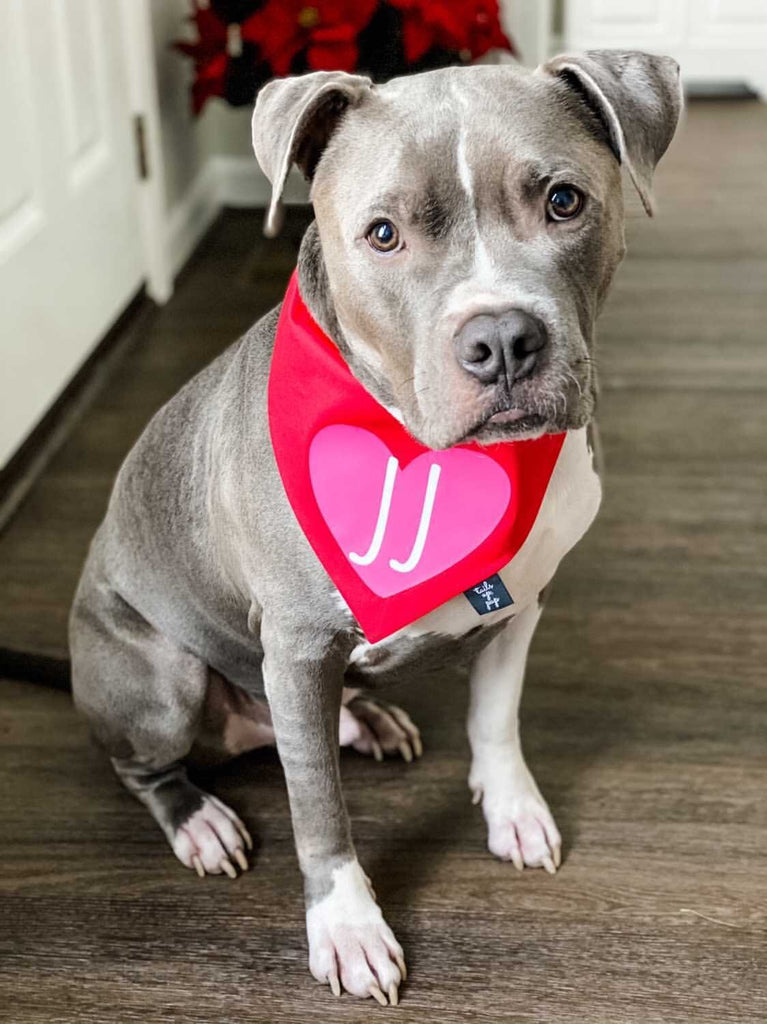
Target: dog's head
{"points": [[469, 222]]}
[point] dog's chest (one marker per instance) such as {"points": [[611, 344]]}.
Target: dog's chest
{"points": [[460, 627]]}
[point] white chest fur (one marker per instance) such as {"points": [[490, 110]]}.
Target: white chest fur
{"points": [[568, 509]]}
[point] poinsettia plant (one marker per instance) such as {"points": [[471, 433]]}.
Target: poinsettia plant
{"points": [[240, 44]]}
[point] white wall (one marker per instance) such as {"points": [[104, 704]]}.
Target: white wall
{"points": [[529, 23], [184, 143], [190, 145]]}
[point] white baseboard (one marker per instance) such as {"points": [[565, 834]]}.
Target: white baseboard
{"points": [[222, 181], [191, 217], [240, 182]]}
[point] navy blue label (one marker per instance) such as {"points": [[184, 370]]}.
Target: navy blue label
{"points": [[489, 595]]}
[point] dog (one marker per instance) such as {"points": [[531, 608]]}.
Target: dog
{"points": [[468, 223]]}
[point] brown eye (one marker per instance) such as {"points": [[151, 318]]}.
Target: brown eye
{"points": [[383, 236], [564, 202]]}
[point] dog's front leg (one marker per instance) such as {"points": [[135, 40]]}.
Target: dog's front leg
{"points": [[350, 944], [520, 826]]}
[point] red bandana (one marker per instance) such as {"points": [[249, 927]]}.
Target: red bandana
{"points": [[399, 528]]}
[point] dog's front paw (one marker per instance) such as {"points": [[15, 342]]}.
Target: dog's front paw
{"points": [[350, 944], [377, 727], [520, 827]]}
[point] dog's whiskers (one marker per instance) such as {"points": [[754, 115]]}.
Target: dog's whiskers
{"points": [[571, 376]]}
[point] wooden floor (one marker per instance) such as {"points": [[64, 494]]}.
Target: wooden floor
{"points": [[643, 714]]}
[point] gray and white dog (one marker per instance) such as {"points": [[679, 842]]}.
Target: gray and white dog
{"points": [[468, 224]]}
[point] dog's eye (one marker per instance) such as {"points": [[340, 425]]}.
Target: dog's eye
{"points": [[564, 202], [383, 236]]}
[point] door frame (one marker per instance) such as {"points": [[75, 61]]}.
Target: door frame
{"points": [[144, 101]]}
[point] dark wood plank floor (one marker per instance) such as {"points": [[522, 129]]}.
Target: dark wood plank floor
{"points": [[643, 713]]}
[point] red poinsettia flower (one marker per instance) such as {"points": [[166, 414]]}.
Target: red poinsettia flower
{"points": [[209, 53], [327, 29], [472, 27], [209, 81], [485, 32], [211, 35]]}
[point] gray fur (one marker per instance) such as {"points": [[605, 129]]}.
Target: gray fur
{"points": [[187, 574], [407, 660]]}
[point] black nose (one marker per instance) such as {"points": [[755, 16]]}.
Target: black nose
{"points": [[492, 346]]}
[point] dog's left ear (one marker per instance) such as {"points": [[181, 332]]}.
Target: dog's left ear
{"points": [[292, 123], [638, 99]]}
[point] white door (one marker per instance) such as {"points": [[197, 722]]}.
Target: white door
{"points": [[70, 242], [715, 41]]}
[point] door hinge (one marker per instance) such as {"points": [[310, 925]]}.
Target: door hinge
{"points": [[139, 135]]}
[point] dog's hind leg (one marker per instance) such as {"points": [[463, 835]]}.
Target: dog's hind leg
{"points": [[232, 723], [376, 727], [144, 698], [203, 832]]}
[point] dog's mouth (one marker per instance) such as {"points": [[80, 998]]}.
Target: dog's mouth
{"points": [[529, 409], [507, 422], [546, 404], [511, 417]]}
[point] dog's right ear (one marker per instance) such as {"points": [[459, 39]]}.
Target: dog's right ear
{"points": [[292, 123], [637, 97]]}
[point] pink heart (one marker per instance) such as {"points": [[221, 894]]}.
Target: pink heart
{"points": [[349, 467]]}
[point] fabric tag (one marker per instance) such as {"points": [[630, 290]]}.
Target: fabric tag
{"points": [[489, 595]]}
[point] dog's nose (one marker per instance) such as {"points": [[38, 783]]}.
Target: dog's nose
{"points": [[492, 346]]}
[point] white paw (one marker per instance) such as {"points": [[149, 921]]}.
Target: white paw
{"points": [[376, 727], [211, 838], [350, 944], [520, 827]]}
